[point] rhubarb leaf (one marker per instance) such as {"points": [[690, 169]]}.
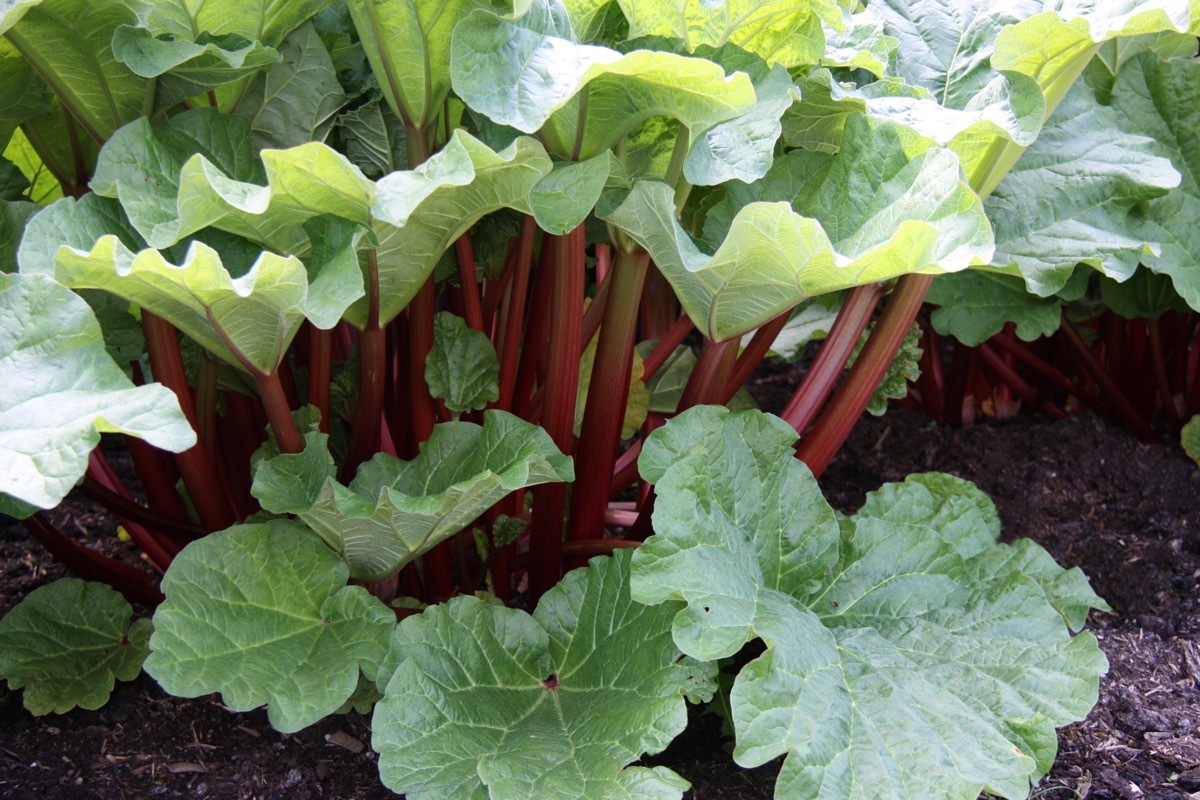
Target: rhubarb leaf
{"points": [[294, 101], [1161, 100], [394, 511], [485, 701], [1189, 438], [894, 663], [528, 73], [67, 643], [975, 306], [262, 614], [913, 215], [1073, 197], [14, 215], [462, 368], [562, 199], [62, 390], [267, 22]]}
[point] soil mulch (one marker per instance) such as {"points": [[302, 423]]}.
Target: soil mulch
{"points": [[1126, 512]]}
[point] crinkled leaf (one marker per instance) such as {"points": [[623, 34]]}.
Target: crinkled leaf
{"points": [[895, 666], [247, 321], [1161, 100], [665, 388], [1189, 438], [61, 391], [185, 67], [491, 702], [742, 148], [69, 44], [904, 368], [262, 614], [1074, 197], [956, 508], [420, 213], [67, 643], [407, 43], [394, 511], [562, 199], [462, 367], [975, 306], [528, 74], [596, 21], [888, 213], [374, 139], [777, 30], [294, 101]]}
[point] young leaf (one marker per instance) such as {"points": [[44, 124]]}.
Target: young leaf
{"points": [[488, 701], [903, 370], [976, 304], [862, 44], [916, 215], [62, 391], [1071, 197], [68, 642], [262, 614], [462, 367], [562, 199], [540, 80], [893, 660], [394, 511]]}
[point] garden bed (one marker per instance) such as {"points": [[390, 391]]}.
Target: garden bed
{"points": [[1126, 512]]}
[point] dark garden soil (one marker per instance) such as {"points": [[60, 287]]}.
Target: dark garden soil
{"points": [[1126, 512]]}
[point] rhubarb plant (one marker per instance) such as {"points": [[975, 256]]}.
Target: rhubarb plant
{"points": [[388, 301]]}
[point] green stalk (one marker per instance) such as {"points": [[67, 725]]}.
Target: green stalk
{"points": [[195, 466], [608, 395], [558, 418]]}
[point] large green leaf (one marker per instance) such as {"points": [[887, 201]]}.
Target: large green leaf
{"points": [[294, 101], [420, 213], [529, 74], [69, 44], [779, 31], [262, 614], [14, 214], [268, 21], [22, 93], [185, 67], [1161, 100], [407, 43], [896, 665], [485, 701], [247, 321], [1077, 196], [975, 305], [861, 44], [884, 206], [62, 390], [394, 511], [67, 643]]}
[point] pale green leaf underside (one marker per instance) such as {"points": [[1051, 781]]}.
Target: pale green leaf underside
{"points": [[61, 391], [1071, 197], [268, 21], [262, 614], [896, 665], [462, 368], [393, 510], [68, 642], [491, 702], [868, 214], [526, 75]]}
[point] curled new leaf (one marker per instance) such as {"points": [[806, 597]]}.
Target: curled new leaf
{"points": [[907, 654], [483, 701], [62, 390], [263, 615], [68, 642], [394, 511]]}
